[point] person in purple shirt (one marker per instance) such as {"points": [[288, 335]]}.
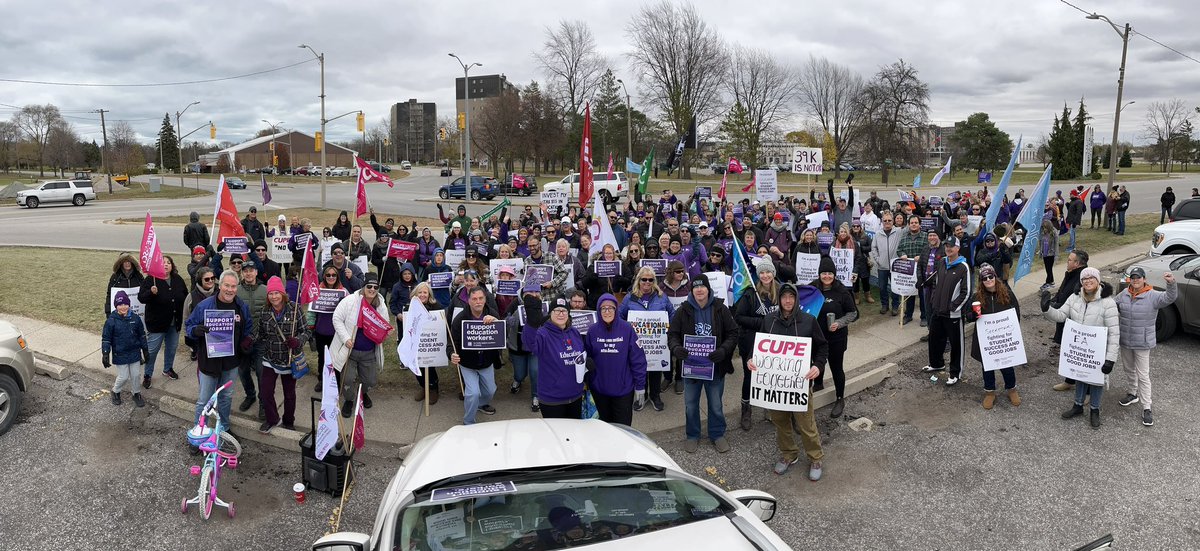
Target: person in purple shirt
{"points": [[616, 364], [559, 348], [1096, 202]]}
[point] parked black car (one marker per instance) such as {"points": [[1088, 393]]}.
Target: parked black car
{"points": [[506, 187], [447, 171], [1187, 209]]}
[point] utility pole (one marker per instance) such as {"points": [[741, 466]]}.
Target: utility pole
{"points": [[467, 117], [103, 150], [628, 119], [321, 59]]}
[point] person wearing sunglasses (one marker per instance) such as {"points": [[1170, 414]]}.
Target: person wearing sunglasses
{"points": [[348, 272], [355, 354], [267, 268], [994, 296], [321, 322], [203, 286], [647, 296]]}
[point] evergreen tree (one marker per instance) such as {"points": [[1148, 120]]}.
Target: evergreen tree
{"points": [[1126, 160], [1104, 159], [608, 119], [168, 145], [741, 141], [979, 145], [1060, 148]]}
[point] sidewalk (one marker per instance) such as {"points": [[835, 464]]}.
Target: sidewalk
{"points": [[396, 421]]}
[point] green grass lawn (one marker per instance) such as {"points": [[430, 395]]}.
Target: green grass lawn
{"points": [[141, 191]]}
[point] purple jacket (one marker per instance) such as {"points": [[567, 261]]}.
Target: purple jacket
{"points": [[557, 351], [619, 360], [425, 250], [1097, 200]]}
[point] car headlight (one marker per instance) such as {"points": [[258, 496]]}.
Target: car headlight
{"points": [[1158, 238]]}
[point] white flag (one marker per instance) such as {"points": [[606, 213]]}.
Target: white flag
{"points": [[327, 423], [601, 230], [411, 339], [944, 171]]}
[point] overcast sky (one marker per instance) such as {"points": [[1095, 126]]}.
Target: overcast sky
{"points": [[1017, 60]]}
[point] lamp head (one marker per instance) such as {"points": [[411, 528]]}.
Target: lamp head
{"points": [[1093, 16]]}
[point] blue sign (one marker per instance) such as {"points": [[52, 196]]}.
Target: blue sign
{"points": [[218, 342], [508, 287], [985, 177], [477, 335], [697, 365], [441, 280]]}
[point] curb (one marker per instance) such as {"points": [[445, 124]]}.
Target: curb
{"points": [[45, 365]]}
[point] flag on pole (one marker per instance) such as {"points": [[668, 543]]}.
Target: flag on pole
{"points": [[944, 171], [360, 429], [1031, 219], [585, 158], [993, 209], [368, 174], [916, 181], [611, 171], [742, 276], [686, 141], [266, 191], [735, 166], [151, 254], [632, 167], [327, 423], [721, 191], [408, 349], [227, 213], [373, 325], [601, 228], [750, 185], [309, 286], [644, 177], [360, 197]]}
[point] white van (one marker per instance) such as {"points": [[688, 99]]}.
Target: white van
{"points": [[610, 189]]}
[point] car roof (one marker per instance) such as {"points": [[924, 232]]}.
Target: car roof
{"points": [[527, 443]]}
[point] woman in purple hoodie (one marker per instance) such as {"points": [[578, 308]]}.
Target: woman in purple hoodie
{"points": [[560, 353], [617, 370], [1096, 202]]}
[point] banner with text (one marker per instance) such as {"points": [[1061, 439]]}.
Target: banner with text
{"points": [[807, 160], [218, 342], [766, 185], [1082, 352], [904, 277], [843, 261], [780, 363], [697, 365], [807, 267], [1000, 341], [478, 335], [651, 329]]}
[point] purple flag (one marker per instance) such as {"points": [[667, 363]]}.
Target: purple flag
{"points": [[266, 191]]}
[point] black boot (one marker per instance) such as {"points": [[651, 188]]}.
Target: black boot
{"points": [[1075, 411], [1095, 418], [747, 422], [838, 408]]}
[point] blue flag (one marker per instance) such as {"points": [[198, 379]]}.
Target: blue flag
{"points": [[917, 181], [1031, 220], [743, 273], [994, 208], [632, 167]]}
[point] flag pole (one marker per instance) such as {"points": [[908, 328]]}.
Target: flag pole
{"points": [[426, 390], [453, 348]]}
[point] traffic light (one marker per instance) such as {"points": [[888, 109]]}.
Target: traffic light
{"points": [[462, 121], [212, 131], [319, 139], [361, 121], [274, 160], [271, 146], [442, 133]]}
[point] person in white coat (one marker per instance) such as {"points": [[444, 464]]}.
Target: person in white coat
{"points": [[355, 355], [1094, 306]]}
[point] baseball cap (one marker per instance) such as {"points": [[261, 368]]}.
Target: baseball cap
{"points": [[1137, 271]]}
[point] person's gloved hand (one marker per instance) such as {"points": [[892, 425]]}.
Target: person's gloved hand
{"points": [[145, 356], [1045, 301], [639, 396], [199, 331], [716, 356], [294, 343], [247, 344], [1108, 366], [105, 361]]}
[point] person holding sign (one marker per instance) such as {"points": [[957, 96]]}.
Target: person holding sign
{"points": [[793, 321], [1139, 304], [356, 351], [1094, 307], [704, 315], [617, 372], [424, 294], [647, 296], [992, 297], [561, 356], [216, 371], [163, 300], [748, 312], [837, 313], [477, 367], [320, 317], [125, 275]]}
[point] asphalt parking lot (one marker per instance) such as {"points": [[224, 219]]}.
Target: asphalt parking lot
{"points": [[936, 472]]}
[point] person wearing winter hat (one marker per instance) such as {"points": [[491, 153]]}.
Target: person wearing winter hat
{"points": [[387, 267], [791, 319], [838, 311], [1138, 305], [993, 296], [705, 315], [748, 313], [616, 364], [123, 340], [561, 357], [199, 260], [267, 268], [341, 228], [348, 272], [463, 220], [355, 355], [1092, 306], [282, 330], [437, 265], [949, 288]]}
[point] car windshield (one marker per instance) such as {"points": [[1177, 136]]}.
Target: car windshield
{"points": [[551, 509]]}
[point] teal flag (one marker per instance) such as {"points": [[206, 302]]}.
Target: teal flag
{"points": [[997, 198], [1031, 220]]}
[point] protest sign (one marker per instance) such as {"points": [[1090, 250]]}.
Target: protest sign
{"points": [[569, 267], [402, 250], [935, 201], [807, 160], [928, 223], [985, 177], [236, 245], [676, 302], [904, 277], [218, 342], [327, 300], [1082, 353], [446, 528], [478, 335], [440, 280], [904, 196], [720, 286], [651, 329], [815, 219], [517, 264], [555, 200], [1000, 341], [697, 365], [363, 262], [454, 257], [766, 185], [659, 265], [825, 240], [135, 305], [843, 261], [607, 268], [781, 363], [973, 221], [375, 327], [704, 192], [508, 287], [279, 251], [327, 249], [582, 319], [431, 349], [537, 274], [807, 266]]}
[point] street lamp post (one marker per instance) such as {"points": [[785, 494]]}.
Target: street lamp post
{"points": [[321, 60], [628, 119], [274, 150], [179, 139], [1112, 154], [467, 118]]}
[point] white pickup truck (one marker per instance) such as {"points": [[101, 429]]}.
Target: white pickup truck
{"points": [[610, 189], [1182, 237], [76, 192]]}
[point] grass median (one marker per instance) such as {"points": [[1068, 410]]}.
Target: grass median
{"points": [[320, 218]]}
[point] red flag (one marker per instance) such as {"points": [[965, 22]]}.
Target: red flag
{"points": [[309, 287], [152, 258], [359, 439], [227, 213], [368, 174], [721, 192], [518, 181], [360, 203], [585, 159], [402, 250], [373, 325], [734, 167], [750, 185], [611, 175]]}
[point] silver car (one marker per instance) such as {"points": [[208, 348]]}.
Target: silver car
{"points": [[16, 371], [1184, 314]]}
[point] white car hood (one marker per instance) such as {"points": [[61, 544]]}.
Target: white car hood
{"points": [[714, 533]]}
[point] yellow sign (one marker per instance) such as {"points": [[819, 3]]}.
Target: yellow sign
{"points": [[318, 141]]}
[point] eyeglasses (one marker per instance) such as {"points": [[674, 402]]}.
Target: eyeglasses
{"points": [[646, 279], [987, 278], [330, 275], [338, 253], [371, 286], [207, 279], [607, 309], [260, 250], [235, 262]]}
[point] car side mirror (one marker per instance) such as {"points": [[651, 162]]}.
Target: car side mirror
{"points": [[760, 503], [1194, 274], [343, 541]]}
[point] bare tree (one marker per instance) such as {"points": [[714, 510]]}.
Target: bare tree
{"points": [[126, 151], [832, 94], [572, 64], [63, 149], [683, 62], [10, 135], [493, 133], [764, 88], [1163, 122], [35, 121], [897, 111], [541, 127]]}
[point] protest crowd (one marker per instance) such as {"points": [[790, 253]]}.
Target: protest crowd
{"points": [[600, 313]]}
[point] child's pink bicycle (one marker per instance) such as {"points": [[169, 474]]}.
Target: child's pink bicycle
{"points": [[220, 449]]}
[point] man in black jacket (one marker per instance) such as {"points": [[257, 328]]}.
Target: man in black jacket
{"points": [[1075, 210], [1168, 201], [704, 315], [949, 289], [253, 227], [1122, 206], [195, 233]]}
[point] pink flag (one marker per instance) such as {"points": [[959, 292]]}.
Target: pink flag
{"points": [[518, 181], [402, 250], [359, 439], [750, 185], [734, 167], [360, 204], [368, 174], [309, 287], [373, 325], [611, 174], [721, 192], [152, 257]]}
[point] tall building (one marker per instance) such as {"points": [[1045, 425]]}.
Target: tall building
{"points": [[483, 88], [414, 131]]}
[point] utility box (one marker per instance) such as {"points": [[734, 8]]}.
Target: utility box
{"points": [[155, 185]]}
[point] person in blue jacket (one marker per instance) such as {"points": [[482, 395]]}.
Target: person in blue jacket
{"points": [[561, 356], [215, 372], [124, 341], [437, 266], [617, 370], [646, 296]]}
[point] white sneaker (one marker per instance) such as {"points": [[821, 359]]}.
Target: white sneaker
{"points": [[930, 369], [952, 381]]}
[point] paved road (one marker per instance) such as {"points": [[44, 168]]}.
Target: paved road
{"points": [[90, 226]]}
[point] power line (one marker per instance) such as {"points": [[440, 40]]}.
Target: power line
{"points": [[155, 84], [1143, 35]]}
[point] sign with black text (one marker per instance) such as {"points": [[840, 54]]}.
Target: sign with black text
{"points": [[478, 335], [1000, 341], [1082, 353], [780, 364]]}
